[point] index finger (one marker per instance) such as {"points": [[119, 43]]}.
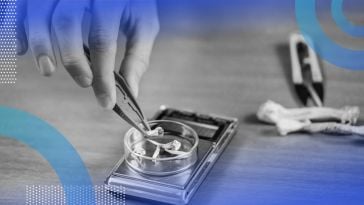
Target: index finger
{"points": [[103, 35], [141, 30]]}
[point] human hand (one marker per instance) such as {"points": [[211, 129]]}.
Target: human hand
{"points": [[137, 19]]}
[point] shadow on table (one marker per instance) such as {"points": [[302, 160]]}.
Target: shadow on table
{"points": [[265, 130], [250, 119]]}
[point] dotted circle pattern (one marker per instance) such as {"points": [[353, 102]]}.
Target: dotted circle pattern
{"points": [[54, 194], [8, 48]]}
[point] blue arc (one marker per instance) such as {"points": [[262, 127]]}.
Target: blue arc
{"points": [[326, 47], [348, 27], [54, 147]]}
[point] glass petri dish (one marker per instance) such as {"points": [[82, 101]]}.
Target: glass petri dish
{"points": [[140, 152]]}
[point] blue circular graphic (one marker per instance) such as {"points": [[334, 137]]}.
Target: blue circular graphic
{"points": [[340, 19], [54, 147], [328, 49]]}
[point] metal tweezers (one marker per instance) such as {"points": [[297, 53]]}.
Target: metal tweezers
{"points": [[128, 99], [307, 75]]}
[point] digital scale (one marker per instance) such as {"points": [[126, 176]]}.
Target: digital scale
{"points": [[214, 133]]}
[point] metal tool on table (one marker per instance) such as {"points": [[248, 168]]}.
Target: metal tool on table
{"points": [[307, 76], [127, 99]]}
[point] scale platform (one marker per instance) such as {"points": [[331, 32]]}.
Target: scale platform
{"points": [[215, 133]]}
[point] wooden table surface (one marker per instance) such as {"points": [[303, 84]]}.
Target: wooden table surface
{"points": [[227, 72]]}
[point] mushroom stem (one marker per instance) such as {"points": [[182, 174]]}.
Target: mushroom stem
{"points": [[272, 112], [286, 126]]}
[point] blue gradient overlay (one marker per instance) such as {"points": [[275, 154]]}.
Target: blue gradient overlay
{"points": [[54, 147], [213, 12], [68, 165], [206, 11]]}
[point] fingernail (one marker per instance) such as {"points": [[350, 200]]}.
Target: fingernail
{"points": [[45, 65], [83, 81], [134, 86], [136, 92], [105, 101]]}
